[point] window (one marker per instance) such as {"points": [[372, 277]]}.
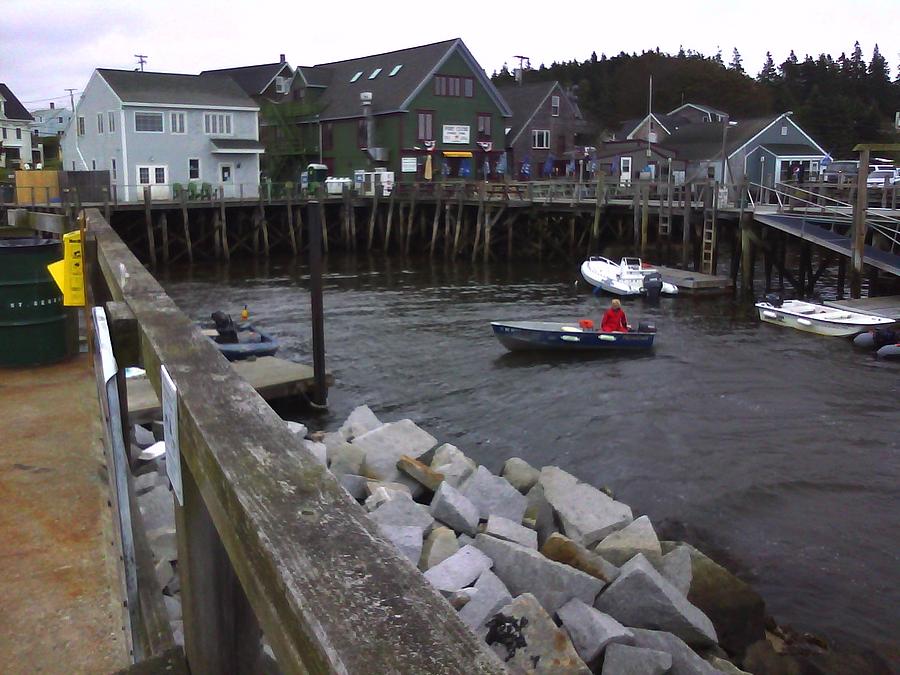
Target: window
{"points": [[395, 70], [217, 123], [112, 121], [362, 140], [281, 85], [4, 133], [150, 122], [374, 73], [328, 136], [144, 175], [18, 134], [93, 165], [36, 133], [540, 139], [425, 126], [484, 127], [357, 76], [440, 85], [193, 169], [159, 175], [99, 123], [554, 106], [784, 130], [469, 87], [59, 119], [112, 169], [177, 122], [452, 86]]}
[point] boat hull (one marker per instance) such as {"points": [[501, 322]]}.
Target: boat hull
{"points": [[607, 276], [253, 343], [818, 319], [545, 336]]}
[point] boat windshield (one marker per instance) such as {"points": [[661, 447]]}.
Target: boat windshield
{"points": [[632, 263]]}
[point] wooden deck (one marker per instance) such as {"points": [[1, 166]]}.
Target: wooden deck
{"points": [[888, 305], [690, 282], [272, 377]]}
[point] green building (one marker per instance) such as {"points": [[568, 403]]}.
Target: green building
{"points": [[395, 110]]}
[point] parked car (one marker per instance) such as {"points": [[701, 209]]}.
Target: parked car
{"points": [[877, 178], [846, 168]]}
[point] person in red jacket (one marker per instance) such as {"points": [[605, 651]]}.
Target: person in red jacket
{"points": [[614, 320]]}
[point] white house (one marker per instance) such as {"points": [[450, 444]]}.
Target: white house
{"points": [[15, 131], [199, 133]]}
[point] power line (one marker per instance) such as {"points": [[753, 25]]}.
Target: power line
{"points": [[50, 98], [71, 98]]}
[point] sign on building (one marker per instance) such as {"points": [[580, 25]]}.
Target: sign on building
{"points": [[408, 165], [456, 133]]}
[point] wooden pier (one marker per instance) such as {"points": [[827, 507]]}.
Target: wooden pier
{"points": [[887, 306], [696, 283]]}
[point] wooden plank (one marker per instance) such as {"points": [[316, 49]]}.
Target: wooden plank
{"points": [[695, 282], [884, 305]]}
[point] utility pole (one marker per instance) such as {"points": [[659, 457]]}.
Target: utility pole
{"points": [[520, 71], [72, 98], [142, 59]]}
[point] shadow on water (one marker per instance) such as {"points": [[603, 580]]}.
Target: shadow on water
{"points": [[531, 359]]}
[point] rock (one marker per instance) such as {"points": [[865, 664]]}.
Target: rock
{"points": [[145, 482], [525, 570], [450, 461], [490, 595], [539, 514], [333, 442], [684, 660], [560, 548], [152, 452], [461, 598], [346, 458], [725, 666], [381, 495], [355, 485], [676, 567], [420, 472], [465, 540], [439, 546], [407, 538], [503, 528], [586, 514], [156, 426], [361, 421], [173, 607], [636, 537], [386, 444], [157, 508], [372, 487], [640, 597], [297, 429], [403, 512], [590, 630], [142, 437], [317, 450], [524, 636], [459, 570], [164, 573], [625, 660], [520, 474], [494, 495], [164, 543], [452, 508]]}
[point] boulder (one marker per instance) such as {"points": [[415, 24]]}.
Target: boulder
{"points": [[146, 482], [164, 573], [524, 636], [386, 444], [143, 438], [591, 630], [459, 570], [560, 548], [361, 421], [539, 514], [450, 461], [157, 507], [676, 567], [586, 514], [439, 546], [725, 666], [490, 595], [640, 597], [520, 474], [465, 540], [346, 458], [736, 610], [403, 512], [452, 508], [685, 660], [173, 607], [420, 472], [625, 660], [317, 450], [504, 528], [372, 487], [407, 538], [163, 543], [356, 486], [461, 598], [380, 495], [525, 570], [494, 495], [333, 441], [636, 537], [296, 428]]}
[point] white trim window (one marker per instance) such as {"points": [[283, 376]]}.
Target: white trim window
{"points": [[217, 124], [554, 106], [112, 168], [540, 139], [99, 123], [111, 121], [281, 84], [80, 125], [784, 129], [176, 123], [148, 122], [193, 169]]}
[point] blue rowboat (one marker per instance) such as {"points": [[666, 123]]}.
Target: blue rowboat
{"points": [[251, 342], [545, 335]]}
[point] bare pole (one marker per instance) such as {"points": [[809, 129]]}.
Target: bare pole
{"points": [[142, 59]]}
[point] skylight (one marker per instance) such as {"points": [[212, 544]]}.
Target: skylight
{"points": [[395, 70], [356, 77], [374, 73]]}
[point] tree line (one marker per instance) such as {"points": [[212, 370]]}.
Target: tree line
{"points": [[839, 101]]}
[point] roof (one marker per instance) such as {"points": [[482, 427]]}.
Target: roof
{"points": [[700, 106], [668, 121], [389, 93], [316, 76], [704, 141], [213, 89], [524, 100], [14, 110], [237, 145], [252, 79], [792, 149]]}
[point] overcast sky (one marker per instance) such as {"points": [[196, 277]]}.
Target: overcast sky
{"points": [[46, 46]]}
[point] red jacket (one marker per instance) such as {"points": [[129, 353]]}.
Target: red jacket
{"points": [[614, 321]]}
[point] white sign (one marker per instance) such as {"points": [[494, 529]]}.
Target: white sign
{"points": [[170, 432], [456, 133], [408, 165]]}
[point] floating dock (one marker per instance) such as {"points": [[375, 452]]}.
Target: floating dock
{"points": [[273, 379], [691, 282], [887, 306]]}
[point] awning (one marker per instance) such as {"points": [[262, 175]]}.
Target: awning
{"points": [[236, 146], [457, 153]]}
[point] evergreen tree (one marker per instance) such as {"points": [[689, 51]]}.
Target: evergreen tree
{"points": [[718, 57], [768, 74], [737, 63]]}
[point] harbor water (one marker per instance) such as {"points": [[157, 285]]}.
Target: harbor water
{"points": [[775, 451]]}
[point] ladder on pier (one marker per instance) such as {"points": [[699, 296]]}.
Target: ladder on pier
{"points": [[708, 259], [665, 211]]}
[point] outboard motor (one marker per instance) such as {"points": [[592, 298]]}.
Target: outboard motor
{"points": [[774, 299], [646, 327], [225, 327], [653, 286]]}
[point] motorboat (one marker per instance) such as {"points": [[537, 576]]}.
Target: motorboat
{"points": [[819, 319], [628, 277], [576, 337], [239, 341]]}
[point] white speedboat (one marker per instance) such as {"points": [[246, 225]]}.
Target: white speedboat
{"points": [[819, 319], [623, 278]]}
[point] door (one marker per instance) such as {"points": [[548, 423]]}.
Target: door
{"points": [[226, 179], [157, 178], [625, 171]]}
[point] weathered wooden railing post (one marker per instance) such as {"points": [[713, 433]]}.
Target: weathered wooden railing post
{"points": [[148, 219], [316, 302], [858, 230]]}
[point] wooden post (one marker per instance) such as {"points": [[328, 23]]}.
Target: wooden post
{"points": [[858, 230], [645, 217], [746, 225], [223, 224], [148, 219], [447, 218], [409, 222], [459, 219], [265, 227], [841, 276], [478, 219], [390, 218], [509, 237], [299, 229], [106, 212], [572, 234], [436, 221], [217, 235], [187, 228], [290, 221], [345, 213], [636, 216], [686, 229], [317, 310], [164, 227], [378, 192]]}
